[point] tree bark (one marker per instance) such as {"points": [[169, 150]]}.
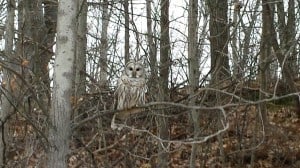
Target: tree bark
{"points": [[61, 109], [287, 34], [152, 82], [126, 12], [291, 29], [104, 45], [235, 55], [33, 37], [265, 50], [164, 69], [284, 53], [6, 97], [80, 62], [50, 18], [247, 39], [220, 71], [193, 63], [219, 36]]}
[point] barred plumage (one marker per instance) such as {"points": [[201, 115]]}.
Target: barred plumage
{"points": [[131, 86], [130, 92]]}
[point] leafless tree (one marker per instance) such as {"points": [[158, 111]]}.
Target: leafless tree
{"points": [[60, 114], [218, 28], [193, 61], [104, 45], [164, 68], [127, 42], [6, 97]]}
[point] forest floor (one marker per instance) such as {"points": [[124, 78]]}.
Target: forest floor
{"points": [[246, 142]]}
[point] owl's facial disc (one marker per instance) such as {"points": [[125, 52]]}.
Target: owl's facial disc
{"points": [[134, 70]]}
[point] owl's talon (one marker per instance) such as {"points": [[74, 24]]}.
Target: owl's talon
{"points": [[115, 126]]}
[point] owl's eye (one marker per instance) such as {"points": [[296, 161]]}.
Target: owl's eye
{"points": [[137, 69], [130, 68]]}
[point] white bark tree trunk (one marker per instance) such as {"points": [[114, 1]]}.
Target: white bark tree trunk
{"points": [[60, 131]]}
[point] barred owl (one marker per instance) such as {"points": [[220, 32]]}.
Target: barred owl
{"points": [[131, 87]]}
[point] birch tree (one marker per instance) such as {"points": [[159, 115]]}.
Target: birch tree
{"points": [[60, 129]]}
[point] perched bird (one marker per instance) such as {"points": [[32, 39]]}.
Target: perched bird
{"points": [[131, 90]]}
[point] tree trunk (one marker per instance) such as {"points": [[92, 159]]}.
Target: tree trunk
{"points": [[246, 42], [235, 55], [219, 36], [50, 17], [33, 37], [80, 62], [220, 71], [164, 80], [152, 82], [104, 45], [193, 63], [34, 72], [60, 128], [126, 10], [291, 34], [265, 50], [6, 97], [284, 55], [287, 34]]}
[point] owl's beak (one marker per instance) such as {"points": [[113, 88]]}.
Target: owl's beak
{"points": [[134, 74]]}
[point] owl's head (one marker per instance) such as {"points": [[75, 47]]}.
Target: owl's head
{"points": [[135, 69]]}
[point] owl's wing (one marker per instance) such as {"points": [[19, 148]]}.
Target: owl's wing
{"points": [[114, 125], [116, 94], [115, 102]]}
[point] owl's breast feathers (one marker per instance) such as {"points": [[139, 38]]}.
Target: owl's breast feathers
{"points": [[134, 82], [130, 92]]}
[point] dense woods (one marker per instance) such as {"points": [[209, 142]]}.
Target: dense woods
{"points": [[223, 81]]}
